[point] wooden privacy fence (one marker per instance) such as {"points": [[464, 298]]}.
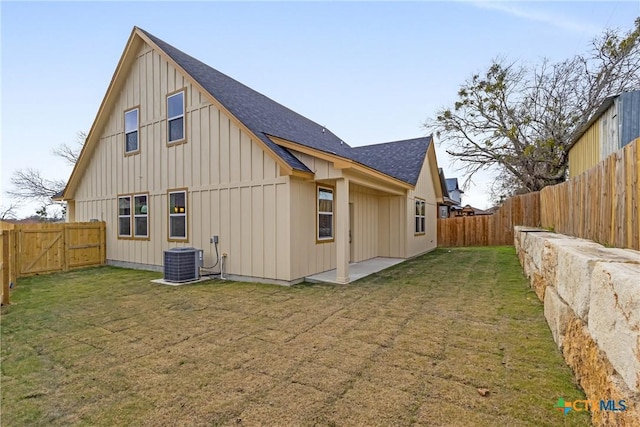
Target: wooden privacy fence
{"points": [[491, 230], [29, 249], [602, 204]]}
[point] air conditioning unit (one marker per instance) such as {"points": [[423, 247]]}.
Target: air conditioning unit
{"points": [[182, 264]]}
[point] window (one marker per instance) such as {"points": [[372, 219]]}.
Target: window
{"points": [[178, 215], [175, 117], [131, 131], [325, 213], [133, 221], [124, 216], [420, 216], [140, 216], [444, 212]]}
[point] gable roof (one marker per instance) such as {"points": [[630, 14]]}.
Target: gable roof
{"points": [[264, 118], [260, 114], [400, 159], [452, 185]]}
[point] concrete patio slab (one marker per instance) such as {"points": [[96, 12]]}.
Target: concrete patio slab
{"points": [[357, 270]]}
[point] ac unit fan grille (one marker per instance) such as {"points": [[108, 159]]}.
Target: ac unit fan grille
{"points": [[180, 265]]}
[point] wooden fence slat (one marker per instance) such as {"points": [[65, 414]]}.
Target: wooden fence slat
{"points": [[601, 204]]}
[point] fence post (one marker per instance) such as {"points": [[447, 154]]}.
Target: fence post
{"points": [[6, 266]]}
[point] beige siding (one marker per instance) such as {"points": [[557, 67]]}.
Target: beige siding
{"points": [[586, 151], [417, 244], [391, 226], [364, 236], [234, 188], [307, 256]]}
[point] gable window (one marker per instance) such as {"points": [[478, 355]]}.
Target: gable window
{"points": [[140, 215], [175, 117], [131, 131], [124, 216], [325, 214], [420, 216], [178, 215]]}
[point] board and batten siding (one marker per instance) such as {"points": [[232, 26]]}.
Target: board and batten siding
{"points": [[234, 188], [418, 244]]}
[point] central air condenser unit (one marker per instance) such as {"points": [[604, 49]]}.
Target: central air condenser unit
{"points": [[182, 264]]}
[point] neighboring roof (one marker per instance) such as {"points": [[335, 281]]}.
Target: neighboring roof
{"points": [[400, 159], [452, 185], [443, 183]]}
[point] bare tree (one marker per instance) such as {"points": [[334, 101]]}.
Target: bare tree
{"points": [[71, 152], [521, 119], [8, 212], [29, 184]]}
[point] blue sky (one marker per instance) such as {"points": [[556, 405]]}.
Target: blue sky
{"points": [[369, 71]]}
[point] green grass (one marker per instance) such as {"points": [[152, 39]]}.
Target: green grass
{"points": [[408, 346]]}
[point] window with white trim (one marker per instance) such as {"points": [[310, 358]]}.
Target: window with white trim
{"points": [[178, 215], [131, 131], [124, 216], [141, 215], [420, 216], [325, 213], [175, 117]]}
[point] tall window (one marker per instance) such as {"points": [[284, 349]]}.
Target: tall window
{"points": [[325, 213], [124, 216], [420, 215], [140, 215], [131, 131], [175, 117], [178, 215]]}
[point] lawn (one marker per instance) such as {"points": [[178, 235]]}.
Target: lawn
{"points": [[408, 346]]}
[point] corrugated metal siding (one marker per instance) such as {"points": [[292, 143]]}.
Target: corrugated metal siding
{"points": [[609, 142], [586, 152], [629, 112]]}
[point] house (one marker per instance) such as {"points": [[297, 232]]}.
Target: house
{"points": [[615, 124], [180, 153], [444, 207], [455, 193]]}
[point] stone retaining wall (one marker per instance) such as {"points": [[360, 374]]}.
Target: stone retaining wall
{"points": [[591, 298]]}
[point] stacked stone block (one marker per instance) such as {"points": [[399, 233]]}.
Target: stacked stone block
{"points": [[591, 298]]}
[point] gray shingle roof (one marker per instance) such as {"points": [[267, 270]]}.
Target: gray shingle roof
{"points": [[400, 159], [452, 184], [264, 117]]}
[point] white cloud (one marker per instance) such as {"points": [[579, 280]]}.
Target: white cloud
{"points": [[553, 19]]}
